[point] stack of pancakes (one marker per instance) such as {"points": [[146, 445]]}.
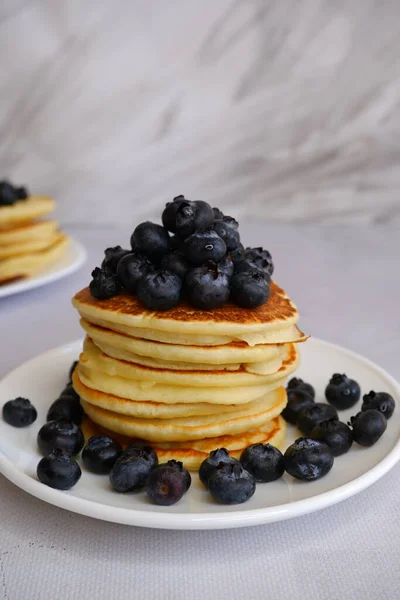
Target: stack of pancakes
{"points": [[185, 380], [28, 244]]}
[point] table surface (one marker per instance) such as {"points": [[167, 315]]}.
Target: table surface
{"points": [[345, 281]]}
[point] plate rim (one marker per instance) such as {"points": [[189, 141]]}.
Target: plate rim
{"points": [[201, 521], [45, 278]]}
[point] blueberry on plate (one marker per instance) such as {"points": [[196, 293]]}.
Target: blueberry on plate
{"points": [[142, 451], [150, 239], [66, 408], [368, 426], [381, 401], [129, 473], [167, 483], [263, 461], [231, 484], [177, 464], [64, 435], [175, 262], [342, 392], [159, 290], [313, 414], [209, 465], [100, 454], [192, 216], [229, 234], [262, 258], [72, 369], [336, 434], [59, 470], [131, 268], [206, 287], [297, 400], [69, 392], [249, 289], [308, 459], [204, 245], [298, 384], [104, 284], [169, 214], [112, 258], [19, 412]]}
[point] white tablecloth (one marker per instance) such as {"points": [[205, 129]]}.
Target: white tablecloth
{"points": [[346, 283]]}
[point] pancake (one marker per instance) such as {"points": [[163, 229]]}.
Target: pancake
{"points": [[234, 352], [30, 231], [28, 246], [28, 265], [268, 323], [194, 452], [180, 429], [261, 368], [93, 358], [132, 389], [161, 410], [24, 211]]}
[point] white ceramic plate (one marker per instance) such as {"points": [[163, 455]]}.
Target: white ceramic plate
{"points": [[73, 259], [42, 378]]}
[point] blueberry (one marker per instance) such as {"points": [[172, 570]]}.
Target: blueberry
{"points": [[142, 451], [204, 245], [21, 193], [262, 258], [66, 408], [368, 426], [249, 289], [226, 266], [207, 287], [298, 384], [19, 412], [100, 454], [169, 214], [176, 243], [8, 195], [166, 485], [218, 214], [229, 234], [381, 401], [69, 392], [248, 266], [210, 464], [308, 459], [59, 470], [231, 484], [263, 461], [112, 258], [72, 369], [104, 284], [313, 414], [151, 240], [65, 435], [237, 255], [230, 221], [297, 400], [129, 473], [191, 216], [336, 434], [131, 268], [342, 392], [159, 290], [175, 262], [177, 464]]}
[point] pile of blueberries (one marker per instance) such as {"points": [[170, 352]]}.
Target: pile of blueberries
{"points": [[229, 481], [10, 194], [203, 262]]}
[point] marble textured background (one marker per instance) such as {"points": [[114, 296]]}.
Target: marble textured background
{"points": [[283, 110]]}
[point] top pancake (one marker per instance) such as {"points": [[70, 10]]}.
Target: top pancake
{"points": [[256, 325], [24, 211]]}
